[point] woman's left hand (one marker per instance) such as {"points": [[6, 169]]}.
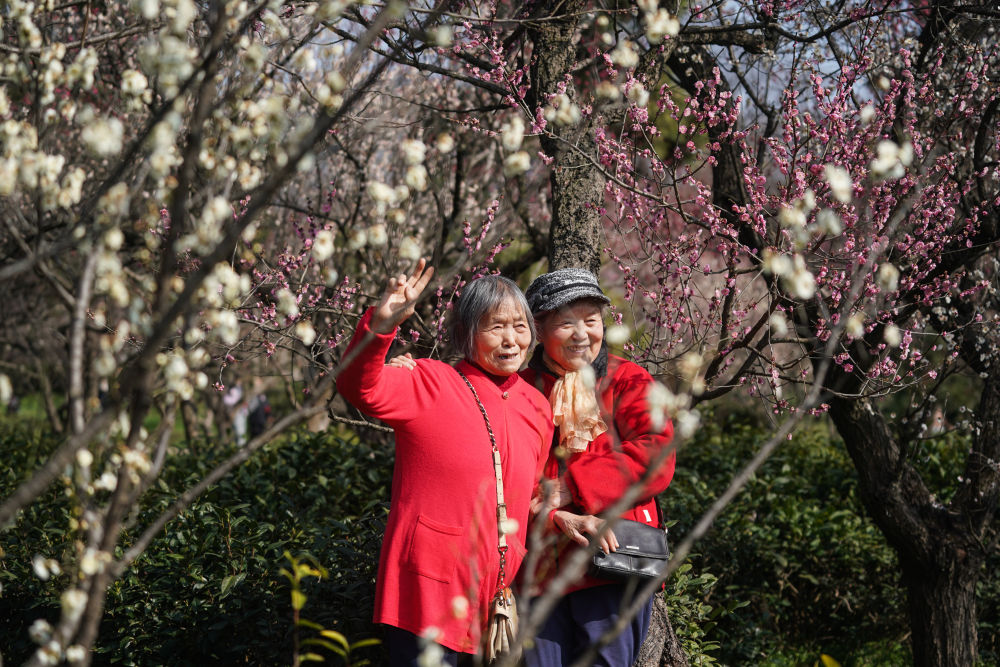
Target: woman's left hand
{"points": [[551, 494], [577, 527]]}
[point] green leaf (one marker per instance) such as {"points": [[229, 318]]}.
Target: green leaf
{"points": [[298, 600], [337, 637]]}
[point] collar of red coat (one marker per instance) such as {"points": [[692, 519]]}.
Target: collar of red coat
{"points": [[503, 383]]}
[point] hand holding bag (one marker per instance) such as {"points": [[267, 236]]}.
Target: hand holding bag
{"points": [[642, 553], [501, 625]]}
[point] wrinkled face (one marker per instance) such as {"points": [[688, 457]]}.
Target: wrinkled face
{"points": [[502, 340], [572, 335]]}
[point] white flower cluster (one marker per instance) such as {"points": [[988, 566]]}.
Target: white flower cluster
{"points": [[104, 135], [659, 22], [665, 404], [793, 272], [562, 110], [891, 160], [21, 163], [624, 55], [511, 138], [208, 227], [224, 287], [169, 59], [384, 196]]}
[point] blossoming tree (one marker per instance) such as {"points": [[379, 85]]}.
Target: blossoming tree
{"points": [[789, 199]]}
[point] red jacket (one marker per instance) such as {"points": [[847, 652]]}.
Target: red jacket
{"points": [[599, 476], [441, 538]]}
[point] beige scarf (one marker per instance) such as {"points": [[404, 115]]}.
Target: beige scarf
{"points": [[575, 410]]}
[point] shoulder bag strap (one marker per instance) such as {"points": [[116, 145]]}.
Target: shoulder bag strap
{"points": [[501, 505]]}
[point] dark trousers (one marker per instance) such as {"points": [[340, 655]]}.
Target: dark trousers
{"points": [[580, 619], [405, 648]]}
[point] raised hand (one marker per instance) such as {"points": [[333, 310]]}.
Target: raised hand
{"points": [[403, 361], [400, 298]]}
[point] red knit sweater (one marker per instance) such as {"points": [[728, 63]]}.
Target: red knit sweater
{"points": [[441, 538], [599, 476]]}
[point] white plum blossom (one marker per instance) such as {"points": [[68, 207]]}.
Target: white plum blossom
{"points": [[512, 134], [103, 135], [800, 282], [73, 603], [608, 91], [322, 246], [791, 217], [443, 35], [516, 163], [778, 324], [562, 110], [866, 114], [892, 335], [287, 303], [377, 235], [444, 143], [305, 332], [664, 404], [416, 177], [855, 325], [40, 631], [828, 222], [617, 334], [357, 239], [839, 180], [409, 249], [414, 151], [686, 423], [887, 277], [509, 526], [891, 160], [147, 9], [225, 326], [75, 653], [134, 82], [659, 24], [624, 55], [637, 94], [776, 263]]}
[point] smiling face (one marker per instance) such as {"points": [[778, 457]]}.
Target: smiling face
{"points": [[502, 339], [572, 335]]}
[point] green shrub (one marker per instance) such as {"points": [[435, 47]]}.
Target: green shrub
{"points": [[208, 588], [801, 570]]}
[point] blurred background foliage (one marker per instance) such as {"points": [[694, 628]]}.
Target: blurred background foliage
{"points": [[790, 571]]}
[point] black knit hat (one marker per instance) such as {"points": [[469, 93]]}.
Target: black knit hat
{"points": [[554, 290]]}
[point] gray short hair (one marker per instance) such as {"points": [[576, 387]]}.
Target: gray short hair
{"points": [[479, 298]]}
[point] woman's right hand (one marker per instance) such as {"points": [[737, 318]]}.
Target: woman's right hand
{"points": [[403, 361], [577, 527], [399, 299]]}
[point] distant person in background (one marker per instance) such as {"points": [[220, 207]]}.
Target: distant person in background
{"points": [[238, 412], [259, 417]]}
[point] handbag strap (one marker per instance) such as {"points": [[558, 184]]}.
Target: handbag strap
{"points": [[501, 505]]}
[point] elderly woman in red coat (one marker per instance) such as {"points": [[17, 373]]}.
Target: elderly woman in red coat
{"points": [[605, 443], [439, 564]]}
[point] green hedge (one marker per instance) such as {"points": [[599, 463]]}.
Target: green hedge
{"points": [[791, 570], [209, 588]]}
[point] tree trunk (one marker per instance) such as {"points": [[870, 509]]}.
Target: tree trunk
{"points": [[577, 184], [661, 648], [941, 557], [942, 612]]}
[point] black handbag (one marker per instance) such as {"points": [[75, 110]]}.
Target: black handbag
{"points": [[642, 553]]}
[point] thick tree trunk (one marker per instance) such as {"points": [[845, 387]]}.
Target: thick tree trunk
{"points": [[661, 648], [942, 611], [577, 184], [941, 556]]}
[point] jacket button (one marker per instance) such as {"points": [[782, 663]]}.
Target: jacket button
{"points": [[506, 394]]}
